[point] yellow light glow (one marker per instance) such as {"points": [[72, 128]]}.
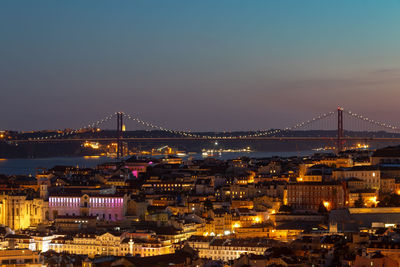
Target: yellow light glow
{"points": [[91, 157], [93, 145], [326, 204], [374, 200], [236, 225]]}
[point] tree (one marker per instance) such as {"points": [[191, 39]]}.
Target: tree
{"points": [[322, 208], [389, 200], [285, 208], [359, 203], [208, 205]]}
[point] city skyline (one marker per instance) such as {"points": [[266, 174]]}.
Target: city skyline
{"points": [[208, 66], [199, 133]]}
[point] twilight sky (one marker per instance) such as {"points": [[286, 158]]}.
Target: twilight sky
{"points": [[199, 65]]}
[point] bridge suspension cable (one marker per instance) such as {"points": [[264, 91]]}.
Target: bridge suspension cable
{"points": [[74, 131], [377, 123], [294, 127], [257, 134], [151, 125]]}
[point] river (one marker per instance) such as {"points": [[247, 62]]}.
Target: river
{"points": [[29, 166]]}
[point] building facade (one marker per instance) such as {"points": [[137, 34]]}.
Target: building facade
{"points": [[18, 211], [309, 196], [104, 207], [110, 245]]}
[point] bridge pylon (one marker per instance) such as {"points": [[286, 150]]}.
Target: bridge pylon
{"points": [[340, 131], [120, 148]]}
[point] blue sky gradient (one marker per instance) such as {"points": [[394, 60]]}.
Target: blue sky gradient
{"points": [[199, 65]]}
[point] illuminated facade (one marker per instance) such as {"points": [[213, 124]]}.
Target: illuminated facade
{"points": [[261, 230], [368, 197], [155, 184], [35, 242], [20, 212], [104, 207], [222, 222], [336, 162], [227, 249], [309, 196], [20, 257], [109, 244], [371, 175], [237, 191], [310, 178]]}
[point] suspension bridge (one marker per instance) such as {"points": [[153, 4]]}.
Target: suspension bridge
{"points": [[339, 126]]}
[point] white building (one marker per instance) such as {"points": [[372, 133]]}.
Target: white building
{"points": [[371, 175]]}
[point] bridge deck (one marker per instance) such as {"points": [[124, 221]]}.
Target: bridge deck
{"points": [[388, 139]]}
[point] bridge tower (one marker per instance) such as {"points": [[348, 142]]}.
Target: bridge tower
{"points": [[340, 131], [120, 148]]}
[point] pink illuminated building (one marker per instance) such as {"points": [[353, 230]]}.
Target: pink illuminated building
{"points": [[134, 167], [104, 207]]}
